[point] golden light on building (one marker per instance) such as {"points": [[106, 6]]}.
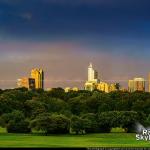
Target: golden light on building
{"points": [[75, 89], [112, 87], [67, 89], [26, 82], [103, 86], [38, 75], [131, 85], [93, 80], [90, 86], [137, 84]]}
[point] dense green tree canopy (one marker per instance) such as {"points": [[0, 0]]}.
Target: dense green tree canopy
{"points": [[94, 111]]}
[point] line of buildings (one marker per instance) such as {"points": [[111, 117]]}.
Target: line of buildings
{"points": [[94, 83], [137, 84], [36, 81]]}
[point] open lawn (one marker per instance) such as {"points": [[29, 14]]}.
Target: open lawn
{"points": [[89, 140]]}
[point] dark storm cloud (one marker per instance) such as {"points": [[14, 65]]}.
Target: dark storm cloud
{"points": [[48, 18]]}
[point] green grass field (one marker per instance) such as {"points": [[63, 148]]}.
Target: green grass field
{"points": [[89, 140]]}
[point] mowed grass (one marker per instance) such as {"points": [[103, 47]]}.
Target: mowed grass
{"points": [[89, 140]]}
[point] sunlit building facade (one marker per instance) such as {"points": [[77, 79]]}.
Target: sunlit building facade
{"points": [[92, 74], [93, 80], [28, 83], [103, 86], [112, 87], [38, 75], [131, 85], [90, 86], [67, 89], [137, 84], [75, 89]]}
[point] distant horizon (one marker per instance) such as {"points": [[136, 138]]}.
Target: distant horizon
{"points": [[77, 81]]}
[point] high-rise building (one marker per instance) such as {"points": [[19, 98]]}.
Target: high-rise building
{"points": [[38, 75], [93, 80], [131, 85], [92, 74], [26, 82], [137, 84]]}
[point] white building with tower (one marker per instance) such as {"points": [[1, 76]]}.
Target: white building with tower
{"points": [[92, 74], [94, 83], [93, 80]]}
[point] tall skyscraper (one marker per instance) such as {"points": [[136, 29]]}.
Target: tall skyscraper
{"points": [[131, 85], [38, 75], [26, 82], [137, 84], [92, 74], [93, 80]]}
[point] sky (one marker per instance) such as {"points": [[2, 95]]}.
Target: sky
{"points": [[63, 36]]}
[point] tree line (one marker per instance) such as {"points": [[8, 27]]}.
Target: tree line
{"points": [[79, 112]]}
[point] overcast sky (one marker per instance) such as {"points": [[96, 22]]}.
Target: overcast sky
{"points": [[63, 36]]}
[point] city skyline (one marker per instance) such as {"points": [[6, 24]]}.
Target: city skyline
{"points": [[63, 36], [79, 81], [92, 77]]}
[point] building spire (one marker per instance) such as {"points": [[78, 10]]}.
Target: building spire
{"points": [[90, 65]]}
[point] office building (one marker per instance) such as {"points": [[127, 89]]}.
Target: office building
{"points": [[92, 74], [103, 86], [137, 84], [131, 85], [28, 83], [38, 75], [90, 86], [93, 80]]}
